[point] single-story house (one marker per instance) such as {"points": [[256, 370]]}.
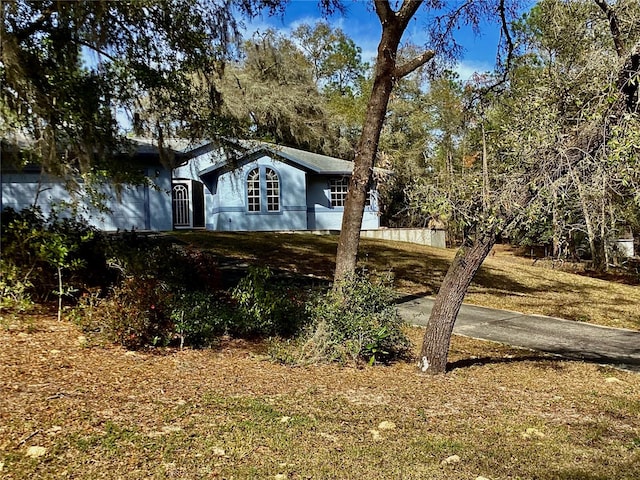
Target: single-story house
{"points": [[264, 187], [246, 186]]}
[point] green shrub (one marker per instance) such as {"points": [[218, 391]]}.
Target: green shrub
{"points": [[183, 269], [44, 255], [266, 307], [14, 288], [200, 318], [357, 322]]}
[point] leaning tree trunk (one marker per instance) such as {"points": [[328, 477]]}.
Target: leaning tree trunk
{"points": [[435, 345], [349, 241]]}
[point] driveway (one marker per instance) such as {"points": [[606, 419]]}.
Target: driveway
{"points": [[570, 339]]}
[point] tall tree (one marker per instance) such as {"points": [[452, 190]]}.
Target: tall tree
{"points": [[336, 59], [273, 95], [71, 69], [387, 71], [544, 156], [341, 76]]}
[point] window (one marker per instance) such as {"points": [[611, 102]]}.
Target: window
{"points": [[273, 191], [253, 191], [339, 188], [263, 188]]}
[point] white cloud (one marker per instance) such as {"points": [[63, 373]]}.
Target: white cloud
{"points": [[466, 68]]}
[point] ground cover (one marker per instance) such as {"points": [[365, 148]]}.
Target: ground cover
{"points": [[73, 408], [69, 410], [504, 281]]}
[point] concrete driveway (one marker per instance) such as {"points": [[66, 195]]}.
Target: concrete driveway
{"points": [[570, 339]]}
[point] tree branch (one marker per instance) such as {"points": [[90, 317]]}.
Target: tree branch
{"points": [[614, 26], [507, 34], [407, 10], [411, 65], [95, 48], [36, 25], [384, 11]]}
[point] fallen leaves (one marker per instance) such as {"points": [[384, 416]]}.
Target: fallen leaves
{"points": [[36, 451]]}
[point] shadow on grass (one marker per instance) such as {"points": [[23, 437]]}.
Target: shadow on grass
{"points": [[548, 362], [309, 254], [416, 268], [543, 362]]}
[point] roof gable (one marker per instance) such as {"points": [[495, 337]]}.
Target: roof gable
{"points": [[312, 162]]}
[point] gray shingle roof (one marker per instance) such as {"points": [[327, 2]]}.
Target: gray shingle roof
{"points": [[315, 162]]}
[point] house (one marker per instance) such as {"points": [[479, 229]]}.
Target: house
{"points": [[246, 186], [108, 207], [259, 186]]}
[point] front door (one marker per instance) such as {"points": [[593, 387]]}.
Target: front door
{"points": [[181, 205], [197, 202], [188, 204]]}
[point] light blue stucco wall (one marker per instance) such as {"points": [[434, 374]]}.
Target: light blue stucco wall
{"points": [[305, 197], [131, 207], [228, 210], [322, 216]]}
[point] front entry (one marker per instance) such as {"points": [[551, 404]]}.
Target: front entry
{"points": [[188, 203]]}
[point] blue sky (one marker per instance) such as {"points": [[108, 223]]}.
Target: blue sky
{"points": [[361, 24]]}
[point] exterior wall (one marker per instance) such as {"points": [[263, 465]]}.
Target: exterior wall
{"points": [[421, 236], [322, 216], [140, 207], [228, 203], [304, 197]]}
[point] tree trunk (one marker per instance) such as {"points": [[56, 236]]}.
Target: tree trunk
{"points": [[485, 172], [594, 245], [556, 226], [603, 224], [435, 345], [364, 159], [394, 23]]}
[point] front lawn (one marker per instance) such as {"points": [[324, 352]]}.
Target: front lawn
{"points": [[229, 412], [504, 281]]}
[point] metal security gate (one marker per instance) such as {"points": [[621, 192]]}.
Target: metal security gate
{"points": [[181, 206]]}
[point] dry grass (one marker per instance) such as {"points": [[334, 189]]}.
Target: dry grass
{"points": [[505, 280], [104, 412], [229, 412]]}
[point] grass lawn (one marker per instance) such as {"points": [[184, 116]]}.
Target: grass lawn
{"points": [[504, 281], [68, 410]]}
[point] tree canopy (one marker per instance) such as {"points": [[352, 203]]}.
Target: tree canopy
{"points": [[71, 71]]}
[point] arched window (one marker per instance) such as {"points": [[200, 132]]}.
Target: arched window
{"points": [[253, 190], [273, 191], [263, 185]]}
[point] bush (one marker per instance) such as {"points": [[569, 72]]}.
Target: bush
{"points": [[137, 314], [183, 269], [144, 311], [357, 322], [14, 288], [38, 252], [267, 307], [200, 318]]}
